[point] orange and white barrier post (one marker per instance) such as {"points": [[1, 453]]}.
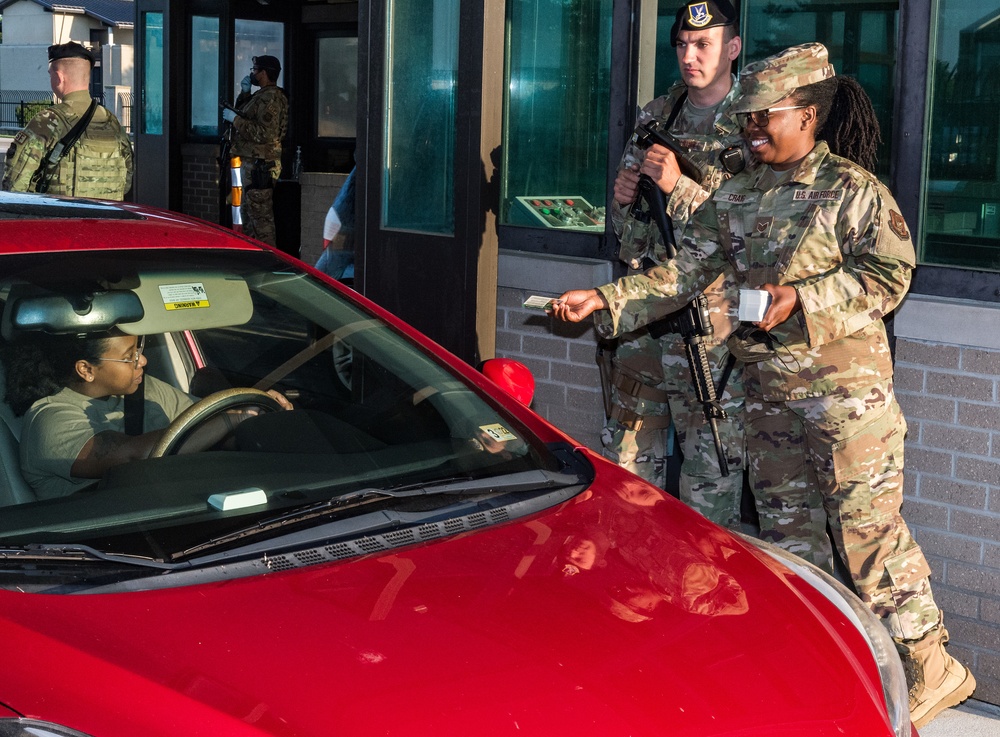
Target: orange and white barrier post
{"points": [[237, 193]]}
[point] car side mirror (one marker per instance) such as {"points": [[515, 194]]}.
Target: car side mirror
{"points": [[513, 377]]}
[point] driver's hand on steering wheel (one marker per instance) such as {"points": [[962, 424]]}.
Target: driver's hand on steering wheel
{"points": [[281, 399], [239, 414]]}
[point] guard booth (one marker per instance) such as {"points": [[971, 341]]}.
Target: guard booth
{"points": [[395, 88]]}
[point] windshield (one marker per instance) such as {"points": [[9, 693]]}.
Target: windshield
{"points": [[377, 424]]}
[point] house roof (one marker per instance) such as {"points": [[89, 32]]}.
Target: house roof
{"points": [[116, 13]]}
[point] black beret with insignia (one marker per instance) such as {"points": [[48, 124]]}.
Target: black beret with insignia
{"points": [[697, 16]]}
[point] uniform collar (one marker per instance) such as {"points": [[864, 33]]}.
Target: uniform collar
{"points": [[805, 173], [76, 97]]}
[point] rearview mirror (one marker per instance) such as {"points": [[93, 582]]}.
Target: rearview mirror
{"points": [[83, 312]]}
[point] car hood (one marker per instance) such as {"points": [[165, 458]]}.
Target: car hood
{"points": [[618, 613]]}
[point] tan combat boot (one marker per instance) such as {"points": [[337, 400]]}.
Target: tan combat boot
{"points": [[937, 681]]}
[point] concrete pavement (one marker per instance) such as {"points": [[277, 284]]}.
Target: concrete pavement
{"points": [[971, 719]]}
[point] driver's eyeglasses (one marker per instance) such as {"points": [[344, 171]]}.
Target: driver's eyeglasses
{"points": [[254, 69], [760, 117], [135, 357]]}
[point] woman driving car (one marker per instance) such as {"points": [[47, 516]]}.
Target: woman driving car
{"points": [[71, 390]]}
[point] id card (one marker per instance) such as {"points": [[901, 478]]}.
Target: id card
{"points": [[539, 303]]}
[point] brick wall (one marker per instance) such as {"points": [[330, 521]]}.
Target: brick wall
{"points": [[561, 356], [200, 192], [319, 190], [950, 395]]}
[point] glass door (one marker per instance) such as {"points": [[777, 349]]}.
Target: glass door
{"points": [[961, 205], [151, 126]]}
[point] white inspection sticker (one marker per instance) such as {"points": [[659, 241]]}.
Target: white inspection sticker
{"points": [[184, 296], [498, 432]]}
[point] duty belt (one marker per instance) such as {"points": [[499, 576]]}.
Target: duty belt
{"points": [[633, 420], [633, 387]]}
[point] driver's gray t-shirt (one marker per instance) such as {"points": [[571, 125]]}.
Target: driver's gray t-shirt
{"points": [[56, 428]]}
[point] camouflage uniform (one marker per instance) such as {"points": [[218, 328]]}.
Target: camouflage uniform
{"points": [[99, 165], [823, 429], [260, 128], [651, 381]]}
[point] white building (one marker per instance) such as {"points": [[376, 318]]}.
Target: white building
{"points": [[31, 26]]}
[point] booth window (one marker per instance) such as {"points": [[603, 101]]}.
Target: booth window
{"points": [[337, 86], [204, 75], [257, 38], [420, 92], [152, 84], [861, 39], [961, 209], [556, 111]]}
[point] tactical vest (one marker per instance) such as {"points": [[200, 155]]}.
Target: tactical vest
{"points": [[95, 166]]}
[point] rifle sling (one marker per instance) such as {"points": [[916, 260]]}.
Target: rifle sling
{"points": [[62, 147]]}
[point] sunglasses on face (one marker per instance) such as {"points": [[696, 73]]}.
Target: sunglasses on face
{"points": [[760, 118]]}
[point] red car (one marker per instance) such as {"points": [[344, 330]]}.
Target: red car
{"points": [[408, 551]]}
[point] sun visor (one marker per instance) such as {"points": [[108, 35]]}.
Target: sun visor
{"points": [[189, 301]]}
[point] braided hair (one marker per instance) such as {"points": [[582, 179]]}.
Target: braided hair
{"points": [[845, 119]]}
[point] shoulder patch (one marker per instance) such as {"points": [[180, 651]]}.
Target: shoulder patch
{"points": [[898, 225], [20, 138]]}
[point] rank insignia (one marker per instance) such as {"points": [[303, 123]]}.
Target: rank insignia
{"points": [[898, 225], [698, 15]]}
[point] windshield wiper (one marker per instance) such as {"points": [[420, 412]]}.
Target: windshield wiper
{"points": [[75, 553], [537, 480]]}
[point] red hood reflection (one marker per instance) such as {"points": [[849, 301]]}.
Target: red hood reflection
{"points": [[620, 612]]}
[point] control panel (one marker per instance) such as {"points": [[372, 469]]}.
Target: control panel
{"points": [[557, 211]]}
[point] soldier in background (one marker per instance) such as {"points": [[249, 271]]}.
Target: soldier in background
{"points": [[260, 122], [651, 383], [98, 164]]}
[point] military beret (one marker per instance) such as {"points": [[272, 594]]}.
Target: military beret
{"points": [[270, 63], [765, 83], [702, 15], [71, 50]]}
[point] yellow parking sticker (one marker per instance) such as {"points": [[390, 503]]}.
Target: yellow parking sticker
{"points": [[184, 296], [498, 432]]}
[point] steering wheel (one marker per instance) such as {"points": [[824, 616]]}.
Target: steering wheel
{"points": [[207, 408]]}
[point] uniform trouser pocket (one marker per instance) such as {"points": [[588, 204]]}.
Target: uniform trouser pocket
{"points": [[868, 469], [887, 566]]}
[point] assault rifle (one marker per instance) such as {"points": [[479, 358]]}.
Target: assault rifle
{"points": [[225, 167], [655, 131], [692, 322]]}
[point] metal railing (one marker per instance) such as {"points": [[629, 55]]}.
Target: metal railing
{"points": [[17, 107], [125, 111]]}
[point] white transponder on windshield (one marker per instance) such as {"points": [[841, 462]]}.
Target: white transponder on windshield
{"points": [[229, 500]]}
